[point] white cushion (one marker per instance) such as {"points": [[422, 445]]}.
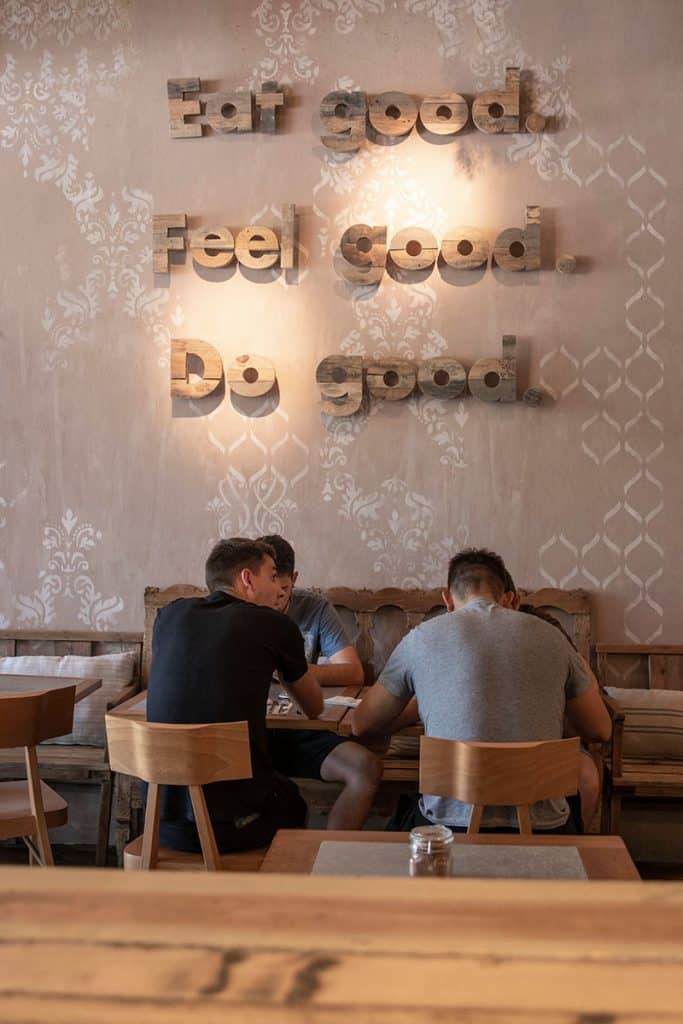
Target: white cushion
{"points": [[653, 723], [115, 670]]}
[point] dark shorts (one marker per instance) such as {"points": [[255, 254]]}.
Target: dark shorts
{"points": [[299, 753], [284, 807]]}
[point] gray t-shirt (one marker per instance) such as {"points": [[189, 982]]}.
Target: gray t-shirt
{"points": [[490, 675], [318, 623]]}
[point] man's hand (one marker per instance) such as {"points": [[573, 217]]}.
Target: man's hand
{"points": [[308, 695], [376, 712]]}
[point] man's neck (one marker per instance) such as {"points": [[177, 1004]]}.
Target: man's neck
{"points": [[233, 592], [481, 595]]}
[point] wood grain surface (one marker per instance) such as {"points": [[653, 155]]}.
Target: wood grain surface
{"points": [[293, 851], [86, 945]]}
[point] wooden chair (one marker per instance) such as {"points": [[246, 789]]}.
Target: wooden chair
{"points": [[28, 808], [181, 755], [511, 774]]}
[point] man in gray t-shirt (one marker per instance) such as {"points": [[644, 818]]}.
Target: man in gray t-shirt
{"points": [[486, 674]]}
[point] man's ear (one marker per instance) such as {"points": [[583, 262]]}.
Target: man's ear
{"points": [[295, 577], [448, 599], [246, 578]]}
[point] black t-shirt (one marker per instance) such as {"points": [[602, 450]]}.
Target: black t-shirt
{"points": [[212, 661]]}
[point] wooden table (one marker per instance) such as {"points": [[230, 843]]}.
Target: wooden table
{"points": [[293, 851], [170, 947], [12, 685], [331, 718]]}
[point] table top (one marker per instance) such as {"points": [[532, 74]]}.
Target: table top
{"points": [[16, 684], [293, 851], [292, 718], [160, 947]]}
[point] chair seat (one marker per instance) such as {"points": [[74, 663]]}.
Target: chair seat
{"points": [[15, 809], [175, 860]]}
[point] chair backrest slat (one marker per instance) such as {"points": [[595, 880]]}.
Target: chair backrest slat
{"points": [[179, 755], [27, 719], [498, 773]]}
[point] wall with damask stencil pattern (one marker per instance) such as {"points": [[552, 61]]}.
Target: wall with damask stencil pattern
{"points": [[106, 486]]}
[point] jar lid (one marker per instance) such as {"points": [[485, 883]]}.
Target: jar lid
{"points": [[430, 838]]}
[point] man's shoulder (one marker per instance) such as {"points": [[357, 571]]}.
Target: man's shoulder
{"points": [[305, 603]]}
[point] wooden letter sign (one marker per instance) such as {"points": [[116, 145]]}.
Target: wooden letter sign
{"points": [[223, 112], [250, 376], [364, 249], [181, 385], [256, 246], [340, 379], [345, 115]]}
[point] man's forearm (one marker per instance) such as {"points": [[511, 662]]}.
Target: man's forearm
{"points": [[409, 716], [341, 674]]}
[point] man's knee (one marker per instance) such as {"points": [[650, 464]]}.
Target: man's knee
{"points": [[353, 765], [589, 777]]}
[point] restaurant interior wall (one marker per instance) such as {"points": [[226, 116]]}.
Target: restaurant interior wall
{"points": [[106, 485]]}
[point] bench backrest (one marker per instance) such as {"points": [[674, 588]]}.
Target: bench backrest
{"points": [[85, 643], [640, 666], [378, 619]]}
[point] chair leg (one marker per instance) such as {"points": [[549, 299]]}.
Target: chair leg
{"points": [[104, 822], [150, 836], [524, 819], [37, 809], [207, 838], [475, 818]]}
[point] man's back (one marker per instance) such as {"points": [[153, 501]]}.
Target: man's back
{"points": [[488, 674], [213, 659]]}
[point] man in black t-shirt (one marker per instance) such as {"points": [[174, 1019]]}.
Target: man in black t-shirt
{"points": [[212, 661]]}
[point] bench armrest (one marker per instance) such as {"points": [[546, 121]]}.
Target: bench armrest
{"points": [[125, 694], [615, 745]]}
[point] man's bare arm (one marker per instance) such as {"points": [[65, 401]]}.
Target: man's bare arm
{"points": [[409, 716], [588, 715], [376, 712], [344, 669], [308, 695]]}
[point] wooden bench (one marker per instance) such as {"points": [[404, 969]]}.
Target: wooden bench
{"points": [[377, 620], [77, 765], [637, 666]]}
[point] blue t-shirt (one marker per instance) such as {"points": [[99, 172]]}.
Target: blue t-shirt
{"points": [[319, 625]]}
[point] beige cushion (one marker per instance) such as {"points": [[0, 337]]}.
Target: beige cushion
{"points": [[404, 746], [115, 671], [653, 726]]}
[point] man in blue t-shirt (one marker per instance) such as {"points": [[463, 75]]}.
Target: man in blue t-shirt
{"points": [[317, 754]]}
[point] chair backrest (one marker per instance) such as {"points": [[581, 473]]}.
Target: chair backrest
{"points": [[486, 774], [179, 755], [27, 719]]}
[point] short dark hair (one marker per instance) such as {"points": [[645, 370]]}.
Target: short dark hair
{"points": [[229, 557], [510, 587], [284, 553], [476, 568]]}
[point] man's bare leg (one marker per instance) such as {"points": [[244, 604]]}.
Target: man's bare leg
{"points": [[589, 788], [360, 772]]}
